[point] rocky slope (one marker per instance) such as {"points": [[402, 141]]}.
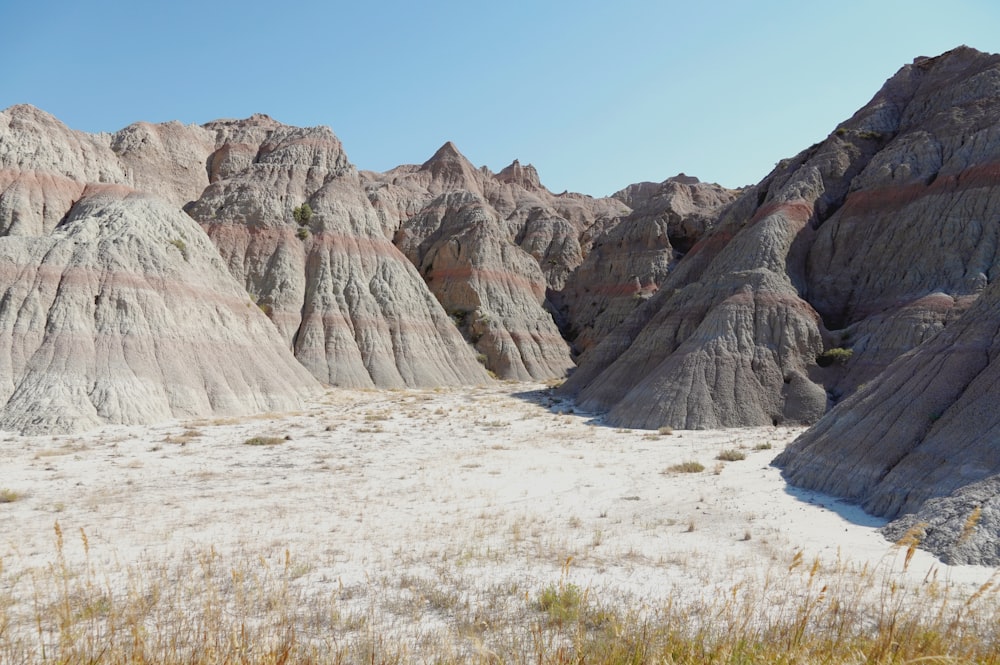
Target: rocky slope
{"points": [[349, 304], [124, 313], [919, 440], [467, 253], [627, 263], [828, 251], [916, 442]]}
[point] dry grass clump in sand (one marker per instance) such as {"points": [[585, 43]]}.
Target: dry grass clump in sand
{"points": [[209, 608]]}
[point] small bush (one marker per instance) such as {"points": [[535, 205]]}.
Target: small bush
{"points": [[302, 233], [731, 455], [302, 214], [686, 467], [665, 431], [561, 603], [8, 496], [763, 446], [838, 355], [264, 441]]}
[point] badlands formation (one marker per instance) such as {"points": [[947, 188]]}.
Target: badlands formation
{"points": [[170, 271]]}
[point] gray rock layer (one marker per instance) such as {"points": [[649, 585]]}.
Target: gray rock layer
{"points": [[917, 441], [350, 305], [125, 314], [872, 240]]}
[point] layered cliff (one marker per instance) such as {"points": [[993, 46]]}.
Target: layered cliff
{"points": [[124, 313], [814, 280], [349, 304]]}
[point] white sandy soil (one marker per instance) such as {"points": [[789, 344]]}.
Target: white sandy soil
{"points": [[371, 494]]}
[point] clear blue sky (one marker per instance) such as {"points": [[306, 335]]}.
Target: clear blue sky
{"points": [[596, 95]]}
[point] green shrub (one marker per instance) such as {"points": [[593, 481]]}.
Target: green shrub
{"points": [[838, 355], [302, 233], [8, 496], [561, 603], [302, 214]]}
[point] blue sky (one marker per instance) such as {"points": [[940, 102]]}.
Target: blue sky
{"points": [[596, 95]]}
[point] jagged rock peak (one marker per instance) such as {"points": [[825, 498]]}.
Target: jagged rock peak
{"points": [[446, 154], [526, 176]]}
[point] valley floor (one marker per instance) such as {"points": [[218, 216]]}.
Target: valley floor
{"points": [[428, 523]]}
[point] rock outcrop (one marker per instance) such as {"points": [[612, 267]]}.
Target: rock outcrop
{"points": [[924, 429], [349, 304], [627, 263], [124, 313], [910, 262], [825, 260], [492, 249]]}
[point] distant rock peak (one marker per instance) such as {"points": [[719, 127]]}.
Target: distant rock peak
{"points": [[525, 176]]}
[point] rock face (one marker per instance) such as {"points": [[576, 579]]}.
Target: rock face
{"points": [[124, 313], [349, 304], [829, 251], [492, 249], [916, 442], [81, 349], [627, 263], [920, 438]]}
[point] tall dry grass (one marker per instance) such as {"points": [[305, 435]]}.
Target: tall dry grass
{"points": [[214, 608]]}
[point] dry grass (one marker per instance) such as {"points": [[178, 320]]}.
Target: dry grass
{"points": [[264, 441], [8, 495], [208, 608], [184, 438], [690, 466], [731, 455]]}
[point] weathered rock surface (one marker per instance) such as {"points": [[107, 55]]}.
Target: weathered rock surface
{"points": [[124, 313], [352, 307], [910, 260], [923, 429], [960, 528], [830, 250], [627, 263], [492, 248]]}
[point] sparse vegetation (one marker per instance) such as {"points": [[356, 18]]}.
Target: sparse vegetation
{"points": [[8, 495], [686, 467], [302, 233], [264, 441], [665, 431], [766, 445], [181, 247], [184, 438], [838, 355], [562, 603], [302, 214], [731, 455]]}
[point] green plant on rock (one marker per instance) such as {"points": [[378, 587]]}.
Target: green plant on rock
{"points": [[302, 233], [302, 214], [837, 355]]}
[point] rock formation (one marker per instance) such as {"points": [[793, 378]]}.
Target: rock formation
{"points": [[349, 304], [627, 263], [924, 429], [124, 313], [825, 260], [916, 441], [492, 248]]}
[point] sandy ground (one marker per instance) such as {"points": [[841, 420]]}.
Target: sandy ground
{"points": [[474, 490]]}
